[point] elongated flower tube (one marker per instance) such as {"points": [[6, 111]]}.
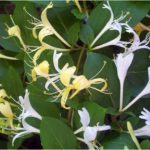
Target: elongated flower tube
{"points": [[145, 130], [7, 57], [112, 24], [136, 44], [145, 91], [89, 133], [27, 111], [122, 64]]}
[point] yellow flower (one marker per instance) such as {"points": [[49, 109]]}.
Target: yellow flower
{"points": [[81, 82], [3, 93], [40, 70], [72, 82], [15, 31], [5, 110], [66, 74]]}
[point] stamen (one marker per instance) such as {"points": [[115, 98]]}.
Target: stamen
{"points": [[99, 71]]}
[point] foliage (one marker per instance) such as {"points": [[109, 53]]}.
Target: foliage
{"points": [[69, 72]]}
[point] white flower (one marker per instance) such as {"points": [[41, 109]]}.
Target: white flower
{"points": [[90, 133], [144, 131], [27, 111], [123, 63], [145, 91], [27, 108], [146, 116], [112, 24], [136, 44]]}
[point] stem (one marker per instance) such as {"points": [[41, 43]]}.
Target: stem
{"points": [[71, 111], [7, 57], [85, 7], [79, 60], [78, 5]]}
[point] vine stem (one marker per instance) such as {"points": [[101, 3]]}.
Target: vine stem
{"points": [[71, 111]]}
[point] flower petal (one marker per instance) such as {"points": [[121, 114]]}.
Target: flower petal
{"points": [[90, 134], [84, 117]]}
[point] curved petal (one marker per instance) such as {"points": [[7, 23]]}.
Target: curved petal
{"points": [[51, 80], [84, 117], [56, 58]]}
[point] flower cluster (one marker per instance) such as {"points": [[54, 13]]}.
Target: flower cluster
{"points": [[71, 82], [66, 81]]}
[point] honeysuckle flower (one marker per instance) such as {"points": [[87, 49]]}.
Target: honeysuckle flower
{"points": [[81, 82], [27, 111], [67, 77], [15, 31], [7, 57], [46, 26], [112, 24], [89, 133], [3, 94], [46, 30], [136, 44], [27, 107], [44, 46], [64, 75], [6, 111], [122, 64], [5, 108], [145, 130], [145, 91], [146, 116], [40, 70]]}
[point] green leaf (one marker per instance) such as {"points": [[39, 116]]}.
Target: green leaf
{"points": [[78, 14], [73, 33], [98, 18], [40, 102], [145, 144], [56, 135], [93, 65], [137, 76], [115, 140], [3, 68], [86, 34], [12, 83], [97, 113]]}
